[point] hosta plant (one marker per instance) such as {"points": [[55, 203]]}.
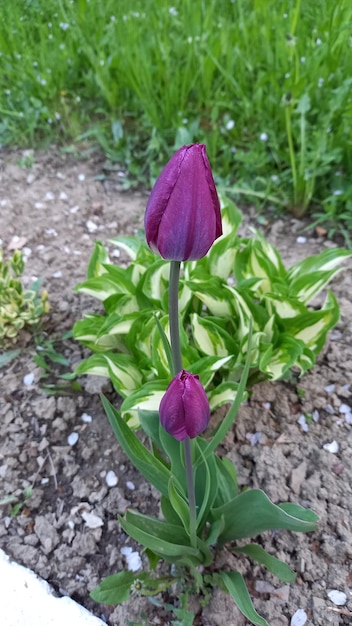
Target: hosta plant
{"points": [[18, 306], [240, 279]]}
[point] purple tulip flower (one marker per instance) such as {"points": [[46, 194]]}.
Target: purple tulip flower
{"points": [[184, 409], [183, 218]]}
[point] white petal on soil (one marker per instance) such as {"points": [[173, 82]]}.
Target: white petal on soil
{"points": [[28, 379], [81, 177], [74, 209], [49, 196], [130, 485], [303, 424], [329, 388], [51, 231], [92, 520], [332, 447], [337, 597], [301, 239], [72, 439], [133, 560], [253, 438], [86, 418], [329, 409], [63, 196], [348, 418], [266, 406], [57, 274], [299, 618], [111, 479], [345, 408]]}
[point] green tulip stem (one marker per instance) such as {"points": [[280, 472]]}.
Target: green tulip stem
{"points": [[177, 364], [173, 316], [191, 492]]}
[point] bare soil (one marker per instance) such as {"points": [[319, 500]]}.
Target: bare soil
{"points": [[58, 208]]}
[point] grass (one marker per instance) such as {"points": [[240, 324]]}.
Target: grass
{"points": [[265, 84]]}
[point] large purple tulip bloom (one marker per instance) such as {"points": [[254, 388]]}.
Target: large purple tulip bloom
{"points": [[184, 409], [183, 218]]}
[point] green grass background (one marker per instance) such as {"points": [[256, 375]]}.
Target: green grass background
{"points": [[266, 84]]}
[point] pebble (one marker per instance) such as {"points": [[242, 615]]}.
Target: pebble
{"points": [[57, 274], [74, 209], [28, 379], [337, 597], [299, 618], [86, 418], [332, 447], [130, 485], [49, 196], [316, 415], [345, 408], [111, 479], [92, 520], [72, 439], [301, 239], [92, 227], [330, 388], [303, 423], [38, 205], [329, 409], [81, 177], [63, 196], [133, 560]]}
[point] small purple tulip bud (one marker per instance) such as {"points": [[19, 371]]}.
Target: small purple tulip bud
{"points": [[183, 217], [184, 409]]}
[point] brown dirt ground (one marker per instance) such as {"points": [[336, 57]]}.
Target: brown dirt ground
{"points": [[60, 206]]}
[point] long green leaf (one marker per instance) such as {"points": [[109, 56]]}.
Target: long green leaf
{"points": [[251, 513], [151, 468], [274, 565], [236, 587]]}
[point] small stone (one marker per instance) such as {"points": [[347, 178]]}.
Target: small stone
{"points": [[130, 485], [92, 520], [28, 379], [63, 196], [303, 423], [72, 439], [299, 618], [86, 418], [39, 205], [330, 388], [30, 179], [337, 597], [133, 560], [81, 177], [329, 409], [74, 209], [262, 586], [332, 447], [46, 533], [316, 415], [111, 479], [57, 274], [49, 196], [91, 226], [345, 408]]}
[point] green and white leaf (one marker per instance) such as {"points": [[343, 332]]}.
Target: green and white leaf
{"points": [[124, 373]]}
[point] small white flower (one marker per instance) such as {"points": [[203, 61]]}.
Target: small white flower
{"points": [[230, 125], [318, 42], [264, 137], [338, 192], [303, 59], [50, 121], [50, 36], [102, 63], [173, 11], [62, 46], [287, 75], [64, 26], [8, 92], [57, 116], [275, 178], [113, 18], [43, 82], [133, 560], [320, 82]]}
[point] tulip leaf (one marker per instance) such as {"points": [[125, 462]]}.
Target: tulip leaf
{"points": [[274, 565], [251, 513], [169, 512], [206, 483], [226, 479], [216, 529], [114, 589], [235, 585], [179, 504], [167, 540], [173, 449], [151, 468]]}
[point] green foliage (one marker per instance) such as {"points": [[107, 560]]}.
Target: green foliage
{"points": [[238, 281], [18, 306], [265, 84], [223, 516]]}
